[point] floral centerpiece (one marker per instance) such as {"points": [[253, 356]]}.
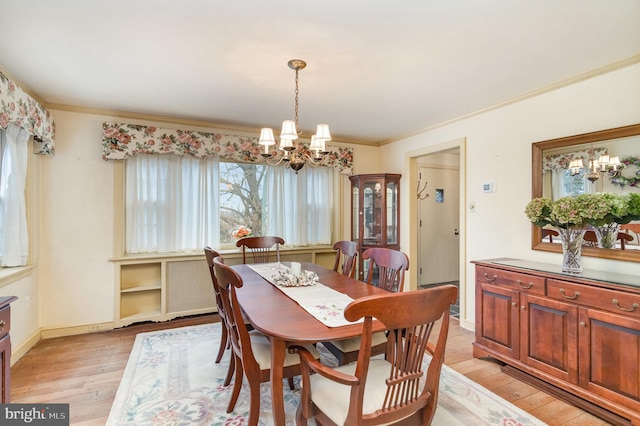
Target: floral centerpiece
{"points": [[569, 215], [604, 212], [289, 279], [242, 232]]}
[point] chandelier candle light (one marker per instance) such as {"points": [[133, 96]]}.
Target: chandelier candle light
{"points": [[294, 154], [603, 164]]}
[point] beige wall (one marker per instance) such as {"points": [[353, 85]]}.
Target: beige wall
{"points": [[498, 148], [73, 283]]}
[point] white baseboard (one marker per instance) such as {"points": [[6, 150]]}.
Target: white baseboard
{"points": [[467, 325], [17, 353], [47, 333]]}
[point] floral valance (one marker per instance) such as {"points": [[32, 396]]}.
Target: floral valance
{"points": [[120, 141], [561, 161], [19, 108]]}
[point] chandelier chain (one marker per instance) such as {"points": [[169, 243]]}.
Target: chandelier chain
{"points": [[296, 104]]}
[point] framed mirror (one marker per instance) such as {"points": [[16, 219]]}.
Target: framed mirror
{"points": [[553, 178]]}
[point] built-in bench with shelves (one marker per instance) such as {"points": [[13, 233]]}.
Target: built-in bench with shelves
{"points": [[161, 287]]}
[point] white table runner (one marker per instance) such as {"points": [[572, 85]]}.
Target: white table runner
{"points": [[322, 302]]}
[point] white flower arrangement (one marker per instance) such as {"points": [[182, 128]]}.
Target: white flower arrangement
{"points": [[287, 279]]}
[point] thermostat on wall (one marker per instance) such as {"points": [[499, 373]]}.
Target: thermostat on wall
{"points": [[489, 187]]}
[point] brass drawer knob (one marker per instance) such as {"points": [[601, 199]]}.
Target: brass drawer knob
{"points": [[631, 309], [2, 324]]}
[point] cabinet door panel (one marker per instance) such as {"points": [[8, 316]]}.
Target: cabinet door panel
{"points": [[549, 336], [498, 319], [610, 356], [5, 369]]}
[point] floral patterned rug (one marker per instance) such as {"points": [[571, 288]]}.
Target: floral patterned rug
{"points": [[171, 379]]}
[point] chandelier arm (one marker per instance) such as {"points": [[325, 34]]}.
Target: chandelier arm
{"points": [[314, 161], [269, 156]]}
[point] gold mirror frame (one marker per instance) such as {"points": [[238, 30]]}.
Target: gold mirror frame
{"points": [[536, 190]]}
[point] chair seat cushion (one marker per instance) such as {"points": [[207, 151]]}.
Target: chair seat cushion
{"points": [[353, 344], [333, 398], [262, 351]]}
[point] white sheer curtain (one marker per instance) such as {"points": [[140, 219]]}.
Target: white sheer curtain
{"points": [[563, 185], [300, 207], [14, 237], [171, 203]]}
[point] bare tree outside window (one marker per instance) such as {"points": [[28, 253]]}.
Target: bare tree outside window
{"points": [[241, 198]]}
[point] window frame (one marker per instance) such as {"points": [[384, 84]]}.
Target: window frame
{"points": [[9, 275], [119, 204]]}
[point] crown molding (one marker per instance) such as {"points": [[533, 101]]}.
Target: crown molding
{"points": [[185, 122]]}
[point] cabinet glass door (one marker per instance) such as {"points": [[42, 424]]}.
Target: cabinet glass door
{"points": [[392, 218], [372, 213], [355, 213]]}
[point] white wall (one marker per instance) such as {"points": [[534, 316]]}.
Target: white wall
{"points": [[499, 149]]}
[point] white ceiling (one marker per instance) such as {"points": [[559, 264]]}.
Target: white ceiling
{"points": [[377, 69]]}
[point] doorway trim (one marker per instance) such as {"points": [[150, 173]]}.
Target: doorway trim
{"points": [[411, 164]]}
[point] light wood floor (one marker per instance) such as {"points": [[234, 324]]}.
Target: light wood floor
{"points": [[85, 371]]}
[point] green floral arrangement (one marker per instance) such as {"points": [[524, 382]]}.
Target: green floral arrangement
{"points": [[632, 203], [586, 209]]}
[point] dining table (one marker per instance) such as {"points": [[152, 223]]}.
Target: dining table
{"points": [[285, 322]]}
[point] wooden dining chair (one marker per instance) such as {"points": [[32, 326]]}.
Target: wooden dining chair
{"points": [[549, 233], [251, 349], [209, 255], [591, 240], [346, 257], [260, 248], [632, 229], [388, 266], [376, 390]]}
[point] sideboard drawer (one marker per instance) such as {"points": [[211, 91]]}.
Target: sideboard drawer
{"points": [[513, 280], [600, 298]]}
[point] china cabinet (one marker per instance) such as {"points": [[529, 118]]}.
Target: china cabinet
{"points": [[375, 213], [574, 336]]}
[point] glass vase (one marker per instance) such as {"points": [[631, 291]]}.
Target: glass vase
{"points": [[571, 250], [607, 235]]}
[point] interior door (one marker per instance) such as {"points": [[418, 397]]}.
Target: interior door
{"points": [[439, 216]]}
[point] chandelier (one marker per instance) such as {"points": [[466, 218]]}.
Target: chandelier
{"points": [[605, 163], [295, 155]]}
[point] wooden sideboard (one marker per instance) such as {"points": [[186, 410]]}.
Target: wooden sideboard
{"points": [[5, 348], [575, 336]]}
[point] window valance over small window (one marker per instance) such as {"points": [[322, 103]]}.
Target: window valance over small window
{"points": [[19, 108], [120, 141]]}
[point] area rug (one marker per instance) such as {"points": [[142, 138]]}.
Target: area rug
{"points": [[171, 379]]}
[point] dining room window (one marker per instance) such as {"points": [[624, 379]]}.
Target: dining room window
{"points": [[182, 204], [14, 233]]}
